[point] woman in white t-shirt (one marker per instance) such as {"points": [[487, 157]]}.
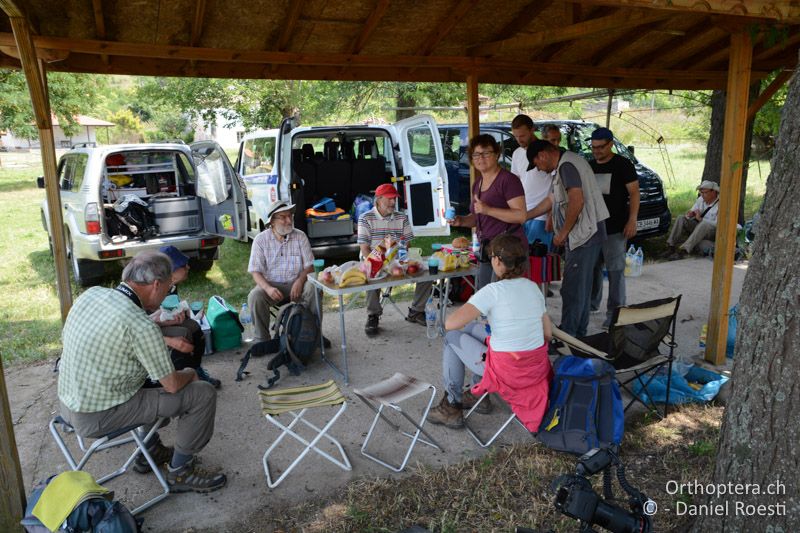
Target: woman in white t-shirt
{"points": [[516, 349]]}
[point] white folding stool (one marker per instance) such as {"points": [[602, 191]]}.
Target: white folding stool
{"points": [[281, 401], [388, 393], [487, 443], [111, 440]]}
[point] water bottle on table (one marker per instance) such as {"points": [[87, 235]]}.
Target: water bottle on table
{"points": [[430, 319], [247, 323]]}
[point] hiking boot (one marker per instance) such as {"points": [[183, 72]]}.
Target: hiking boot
{"points": [[192, 478], [203, 374], [679, 254], [447, 414], [669, 252], [371, 329], [468, 400], [161, 455], [417, 317]]}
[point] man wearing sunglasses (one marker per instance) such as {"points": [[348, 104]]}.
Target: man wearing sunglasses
{"points": [[619, 184]]}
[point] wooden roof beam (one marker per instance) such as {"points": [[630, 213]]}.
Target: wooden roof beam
{"points": [[12, 9], [522, 18], [99, 24], [197, 22], [616, 21], [369, 26], [779, 81], [628, 39], [445, 25], [648, 57], [757, 9], [288, 26], [778, 47]]}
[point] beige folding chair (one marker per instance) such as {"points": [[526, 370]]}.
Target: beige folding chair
{"points": [[631, 345], [112, 440], [389, 393], [297, 402]]}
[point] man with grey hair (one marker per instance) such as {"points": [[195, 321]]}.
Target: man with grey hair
{"points": [[110, 348], [700, 223], [552, 134]]}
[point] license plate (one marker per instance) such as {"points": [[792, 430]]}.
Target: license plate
{"points": [[647, 223]]}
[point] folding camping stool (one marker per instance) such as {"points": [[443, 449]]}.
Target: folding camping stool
{"points": [[297, 402], [389, 393], [487, 443], [111, 440]]}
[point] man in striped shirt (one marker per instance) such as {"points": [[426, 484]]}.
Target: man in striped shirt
{"points": [[373, 227], [280, 261]]}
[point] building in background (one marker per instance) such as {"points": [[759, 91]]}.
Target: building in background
{"points": [[92, 130]]}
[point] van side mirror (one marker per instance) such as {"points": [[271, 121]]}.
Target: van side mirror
{"points": [[40, 182], [631, 150]]}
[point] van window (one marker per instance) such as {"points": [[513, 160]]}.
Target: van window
{"points": [[451, 143], [258, 156], [71, 171], [423, 150]]}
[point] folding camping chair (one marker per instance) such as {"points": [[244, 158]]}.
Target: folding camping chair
{"points": [[631, 345], [389, 393], [488, 442], [111, 440], [302, 399]]}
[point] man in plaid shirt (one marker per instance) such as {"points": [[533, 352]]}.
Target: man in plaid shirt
{"points": [[110, 348], [280, 261]]}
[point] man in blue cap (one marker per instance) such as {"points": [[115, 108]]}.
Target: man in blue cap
{"points": [[619, 184], [183, 334]]}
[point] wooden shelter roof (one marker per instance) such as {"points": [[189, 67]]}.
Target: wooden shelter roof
{"points": [[676, 44]]}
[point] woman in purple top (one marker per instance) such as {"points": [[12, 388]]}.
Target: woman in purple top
{"points": [[498, 201]]}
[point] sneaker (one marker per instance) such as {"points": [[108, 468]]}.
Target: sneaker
{"points": [[161, 455], [203, 374], [468, 400], [666, 254], [417, 317], [371, 329], [192, 478], [447, 414]]}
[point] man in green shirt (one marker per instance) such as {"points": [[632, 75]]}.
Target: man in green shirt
{"points": [[110, 347]]}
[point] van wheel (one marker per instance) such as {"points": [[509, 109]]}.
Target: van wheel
{"points": [[84, 272]]}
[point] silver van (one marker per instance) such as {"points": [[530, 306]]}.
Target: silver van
{"points": [[192, 192], [306, 164]]}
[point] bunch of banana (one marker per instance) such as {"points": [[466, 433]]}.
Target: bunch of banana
{"points": [[352, 277]]}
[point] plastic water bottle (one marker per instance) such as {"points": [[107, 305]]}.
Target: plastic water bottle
{"points": [[430, 319], [639, 256], [476, 245], [247, 322], [402, 252], [629, 259]]}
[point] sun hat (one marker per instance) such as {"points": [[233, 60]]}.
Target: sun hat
{"points": [[708, 184], [278, 206]]}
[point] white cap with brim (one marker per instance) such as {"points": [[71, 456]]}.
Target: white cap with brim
{"points": [[708, 184], [278, 207]]}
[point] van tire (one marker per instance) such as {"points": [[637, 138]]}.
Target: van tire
{"points": [[85, 273]]}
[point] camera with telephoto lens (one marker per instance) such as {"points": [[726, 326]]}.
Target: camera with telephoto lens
{"points": [[576, 498]]}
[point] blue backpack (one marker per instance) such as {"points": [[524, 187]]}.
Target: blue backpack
{"points": [[585, 409]]}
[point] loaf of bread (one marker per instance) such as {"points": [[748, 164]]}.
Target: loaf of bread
{"points": [[461, 242]]}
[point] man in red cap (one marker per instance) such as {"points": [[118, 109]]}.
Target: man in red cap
{"points": [[374, 227]]}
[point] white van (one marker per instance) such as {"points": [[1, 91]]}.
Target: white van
{"points": [[305, 164]]}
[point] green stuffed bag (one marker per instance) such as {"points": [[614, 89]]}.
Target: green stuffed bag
{"points": [[226, 330]]}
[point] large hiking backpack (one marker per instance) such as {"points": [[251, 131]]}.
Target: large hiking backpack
{"points": [[294, 340], [132, 218], [585, 410]]}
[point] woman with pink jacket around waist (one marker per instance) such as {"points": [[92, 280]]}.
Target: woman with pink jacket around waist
{"points": [[512, 361]]}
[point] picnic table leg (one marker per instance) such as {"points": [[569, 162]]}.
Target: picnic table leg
{"points": [[443, 294], [319, 314], [344, 339]]}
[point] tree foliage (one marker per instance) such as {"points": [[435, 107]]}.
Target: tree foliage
{"points": [[70, 95]]}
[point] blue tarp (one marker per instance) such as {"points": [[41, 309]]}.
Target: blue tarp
{"points": [[680, 391]]}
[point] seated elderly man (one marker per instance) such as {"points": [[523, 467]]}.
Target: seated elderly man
{"points": [[280, 261], [110, 348], [700, 222]]}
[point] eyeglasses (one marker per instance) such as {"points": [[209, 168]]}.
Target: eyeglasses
{"points": [[600, 146], [481, 155]]}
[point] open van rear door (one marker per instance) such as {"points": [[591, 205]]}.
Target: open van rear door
{"points": [[221, 191], [425, 174]]}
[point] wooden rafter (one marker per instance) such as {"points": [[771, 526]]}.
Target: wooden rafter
{"points": [[197, 22], [768, 92], [99, 24], [763, 9], [12, 9], [587, 28], [371, 23], [648, 57], [631, 37], [522, 18], [777, 48], [289, 25], [445, 25], [686, 49]]}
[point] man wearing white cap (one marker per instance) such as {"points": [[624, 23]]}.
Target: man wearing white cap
{"points": [[700, 222], [280, 261]]}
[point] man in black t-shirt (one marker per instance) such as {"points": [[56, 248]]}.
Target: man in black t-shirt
{"points": [[617, 180]]}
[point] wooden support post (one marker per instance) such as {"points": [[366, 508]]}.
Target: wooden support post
{"points": [[730, 186], [37, 86], [12, 489], [473, 118], [609, 106]]}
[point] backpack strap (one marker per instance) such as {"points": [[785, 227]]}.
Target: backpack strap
{"points": [[270, 346]]}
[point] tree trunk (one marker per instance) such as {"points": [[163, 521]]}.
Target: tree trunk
{"points": [[713, 165], [405, 98], [760, 436]]}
